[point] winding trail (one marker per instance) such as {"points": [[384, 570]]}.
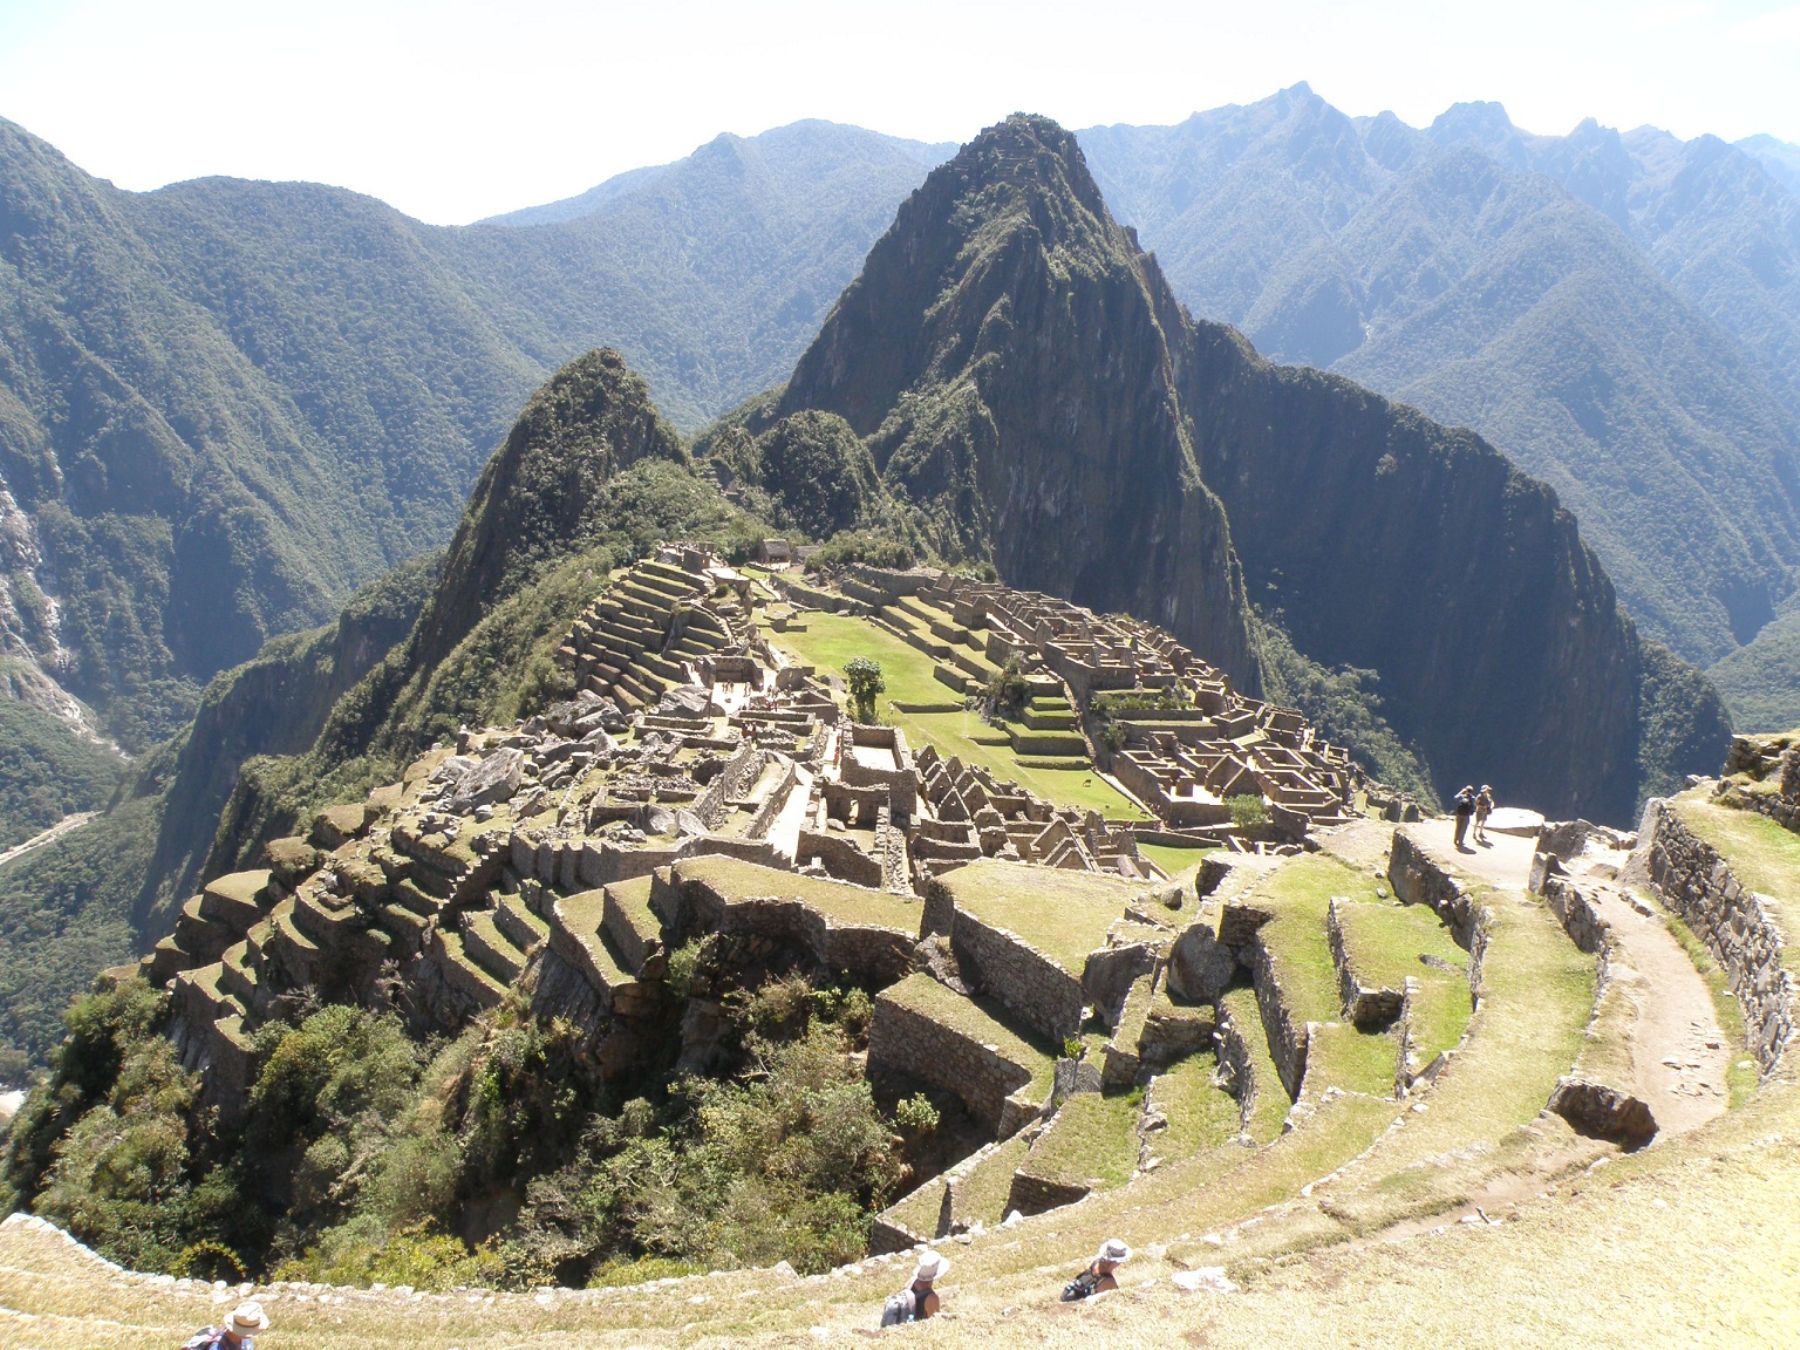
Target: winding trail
{"points": [[49, 836], [1680, 1053]]}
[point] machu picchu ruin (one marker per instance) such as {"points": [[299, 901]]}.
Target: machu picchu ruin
{"points": [[950, 814], [1233, 1038]]}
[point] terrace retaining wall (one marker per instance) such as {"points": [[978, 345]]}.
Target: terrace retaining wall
{"points": [[903, 1039], [1734, 921]]}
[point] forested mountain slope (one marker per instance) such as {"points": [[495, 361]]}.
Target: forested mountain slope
{"points": [[1615, 313]]}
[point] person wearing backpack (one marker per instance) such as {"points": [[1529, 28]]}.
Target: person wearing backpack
{"points": [[1098, 1278], [918, 1300], [1484, 807], [237, 1333], [1464, 803]]}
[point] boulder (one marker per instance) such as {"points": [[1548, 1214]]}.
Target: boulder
{"points": [[494, 779]]}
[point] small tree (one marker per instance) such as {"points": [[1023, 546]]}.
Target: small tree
{"points": [[1248, 812], [865, 683]]}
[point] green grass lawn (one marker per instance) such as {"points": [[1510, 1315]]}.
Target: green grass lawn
{"points": [[831, 640], [1298, 893], [1537, 997], [1385, 941], [1174, 860], [981, 1193], [1201, 1114], [1340, 1055]]}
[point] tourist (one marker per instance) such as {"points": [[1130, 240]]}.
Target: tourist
{"points": [[1098, 1278], [1465, 807], [236, 1334], [918, 1300], [1484, 807]]}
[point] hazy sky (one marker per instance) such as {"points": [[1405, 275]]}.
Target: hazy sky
{"points": [[457, 110]]}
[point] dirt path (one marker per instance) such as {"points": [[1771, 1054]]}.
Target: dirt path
{"points": [[1679, 1052], [1505, 860], [49, 836]]}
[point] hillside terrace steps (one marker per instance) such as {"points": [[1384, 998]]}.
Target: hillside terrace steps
{"points": [[632, 925], [513, 917], [931, 1033], [462, 972], [579, 935], [489, 946]]}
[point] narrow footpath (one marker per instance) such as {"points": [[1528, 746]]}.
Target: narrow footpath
{"points": [[1680, 1053]]}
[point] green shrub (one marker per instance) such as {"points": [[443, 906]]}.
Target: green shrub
{"points": [[1248, 811], [916, 1115], [864, 676]]}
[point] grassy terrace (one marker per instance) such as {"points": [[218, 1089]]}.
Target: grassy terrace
{"points": [[1386, 942], [1299, 893], [1762, 855], [920, 994], [1201, 1114], [1537, 999], [980, 1196], [1342, 1056], [1174, 860], [838, 901], [1271, 1104], [830, 640], [1064, 915], [1093, 1141]]}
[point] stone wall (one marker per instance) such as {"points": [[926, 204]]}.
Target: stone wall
{"points": [[733, 781], [1419, 880], [988, 1084], [880, 955], [1006, 967], [1734, 922], [840, 858], [1287, 1037], [1365, 1006], [1234, 1064]]}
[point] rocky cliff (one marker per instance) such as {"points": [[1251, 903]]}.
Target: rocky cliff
{"points": [[1005, 354], [1025, 377]]}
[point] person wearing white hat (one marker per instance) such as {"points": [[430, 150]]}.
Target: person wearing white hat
{"points": [[918, 1300], [238, 1333], [1098, 1278]]}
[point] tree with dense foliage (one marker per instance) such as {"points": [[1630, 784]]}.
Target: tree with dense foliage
{"points": [[863, 674]]}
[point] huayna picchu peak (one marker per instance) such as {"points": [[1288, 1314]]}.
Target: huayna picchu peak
{"points": [[974, 809], [1032, 390]]}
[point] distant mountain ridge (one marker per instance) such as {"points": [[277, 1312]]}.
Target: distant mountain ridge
{"points": [[224, 404], [1583, 301], [787, 142]]}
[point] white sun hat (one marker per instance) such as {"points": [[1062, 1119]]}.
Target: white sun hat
{"points": [[1113, 1250], [931, 1267], [248, 1317]]}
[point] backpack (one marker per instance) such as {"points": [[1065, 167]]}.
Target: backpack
{"points": [[900, 1308], [1082, 1286]]}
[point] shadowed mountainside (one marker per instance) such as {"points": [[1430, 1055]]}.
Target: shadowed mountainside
{"points": [[1026, 379]]}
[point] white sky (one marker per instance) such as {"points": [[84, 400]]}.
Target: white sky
{"points": [[457, 110]]}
